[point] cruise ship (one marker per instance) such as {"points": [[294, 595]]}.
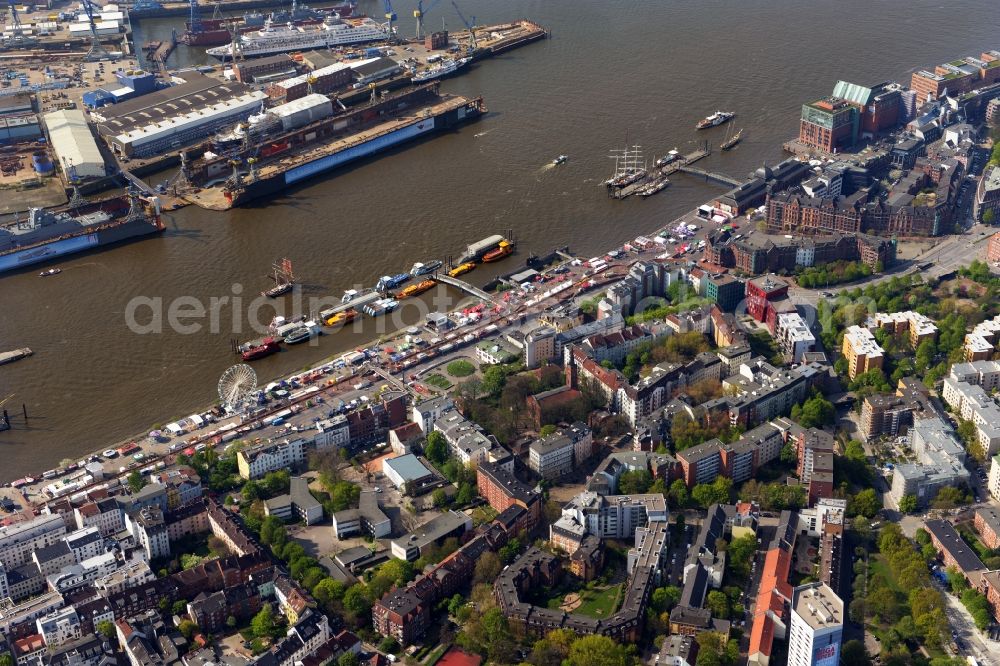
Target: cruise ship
{"points": [[715, 119], [286, 38]]}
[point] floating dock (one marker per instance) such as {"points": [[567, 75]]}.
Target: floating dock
{"points": [[15, 355]]}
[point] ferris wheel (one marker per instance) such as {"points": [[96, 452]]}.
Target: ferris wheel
{"points": [[236, 386]]}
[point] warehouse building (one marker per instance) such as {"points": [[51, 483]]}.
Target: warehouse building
{"points": [[73, 143], [174, 117], [323, 80], [16, 128]]}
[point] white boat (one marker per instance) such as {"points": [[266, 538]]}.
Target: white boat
{"points": [[670, 157], [288, 37], [560, 160], [444, 68], [423, 269], [715, 119]]}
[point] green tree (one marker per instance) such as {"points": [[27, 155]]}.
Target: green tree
{"points": [[718, 603], [989, 216], [389, 645], [6, 659], [347, 659], [106, 628], [136, 481], [908, 503], [440, 498], [678, 493], [436, 448], [853, 652], [665, 598], [262, 623], [949, 497], [179, 607], [328, 591], [356, 601], [788, 454], [635, 482], [188, 629], [487, 568], [231, 622], [547, 430], [864, 503], [597, 651]]}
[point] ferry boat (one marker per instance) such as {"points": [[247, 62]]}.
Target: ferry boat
{"points": [[442, 69], [505, 250], [669, 158], [343, 317], [416, 289], [423, 269], [265, 347], [388, 282], [306, 331], [462, 269], [286, 38], [715, 119]]}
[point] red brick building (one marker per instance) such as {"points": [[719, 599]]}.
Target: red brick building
{"points": [[993, 248], [502, 490], [987, 523], [761, 292], [829, 124]]}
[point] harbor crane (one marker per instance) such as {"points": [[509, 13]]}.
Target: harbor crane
{"points": [[418, 14], [470, 26], [390, 16], [18, 38]]}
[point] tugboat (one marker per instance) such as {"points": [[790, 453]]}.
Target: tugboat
{"points": [[51, 271], [260, 349], [424, 269], [504, 250], [715, 119], [284, 279], [731, 142], [669, 158], [560, 160]]}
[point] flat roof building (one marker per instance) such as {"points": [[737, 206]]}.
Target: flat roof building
{"points": [[74, 144], [402, 470], [817, 626], [409, 546]]}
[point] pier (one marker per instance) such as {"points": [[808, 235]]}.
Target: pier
{"points": [[688, 159], [444, 278]]}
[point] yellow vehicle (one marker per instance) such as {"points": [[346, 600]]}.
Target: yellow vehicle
{"points": [[462, 269], [341, 318]]}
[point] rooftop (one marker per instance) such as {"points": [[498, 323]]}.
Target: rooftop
{"points": [[818, 605], [408, 467]]}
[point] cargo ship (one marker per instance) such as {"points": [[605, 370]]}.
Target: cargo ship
{"points": [[475, 251], [215, 32], [416, 289], [381, 307], [306, 151], [274, 38], [48, 234], [715, 119]]}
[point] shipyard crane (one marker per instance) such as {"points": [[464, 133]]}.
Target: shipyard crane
{"points": [[194, 23], [390, 16], [418, 14], [470, 26], [17, 37], [97, 50]]}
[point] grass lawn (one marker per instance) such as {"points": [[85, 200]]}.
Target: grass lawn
{"points": [[485, 514], [460, 368], [599, 602], [436, 654], [439, 381]]}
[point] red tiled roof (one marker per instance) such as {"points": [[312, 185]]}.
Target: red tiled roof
{"points": [[458, 657]]}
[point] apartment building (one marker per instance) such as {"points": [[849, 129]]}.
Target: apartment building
{"points": [[256, 461], [559, 453], [861, 350]]}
